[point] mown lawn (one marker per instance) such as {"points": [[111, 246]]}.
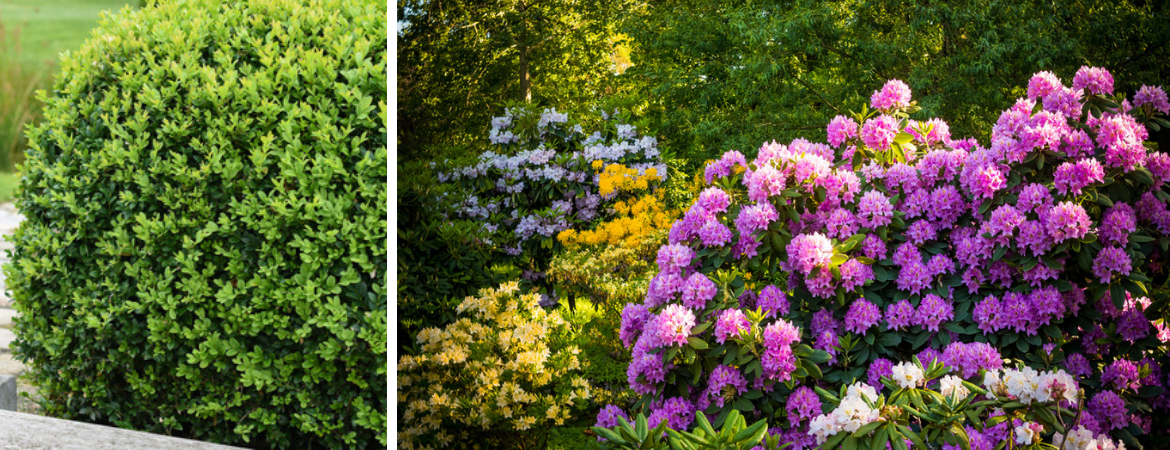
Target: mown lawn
{"points": [[49, 27]]}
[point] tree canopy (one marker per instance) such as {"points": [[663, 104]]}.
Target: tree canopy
{"points": [[460, 61], [727, 76]]}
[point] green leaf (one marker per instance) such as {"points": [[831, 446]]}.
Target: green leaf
{"points": [[696, 343]]}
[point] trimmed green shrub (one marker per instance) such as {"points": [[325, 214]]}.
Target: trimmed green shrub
{"points": [[204, 250]]}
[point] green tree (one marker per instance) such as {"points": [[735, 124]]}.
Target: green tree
{"points": [[728, 76], [459, 61]]}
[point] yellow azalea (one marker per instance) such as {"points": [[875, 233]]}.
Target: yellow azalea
{"points": [[597, 163], [525, 423]]}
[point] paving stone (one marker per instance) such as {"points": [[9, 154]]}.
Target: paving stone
{"points": [[6, 316], [9, 365], [6, 338]]}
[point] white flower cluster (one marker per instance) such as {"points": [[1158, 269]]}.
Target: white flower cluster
{"points": [[952, 386], [1082, 439], [908, 375], [1028, 385], [552, 116], [1028, 432], [626, 131], [851, 414]]}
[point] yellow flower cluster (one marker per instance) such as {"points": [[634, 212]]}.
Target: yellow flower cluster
{"points": [[634, 220], [617, 177], [505, 367]]}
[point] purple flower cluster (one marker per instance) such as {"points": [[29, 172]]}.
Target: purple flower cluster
{"points": [[862, 316], [969, 359], [1153, 96], [1022, 313], [725, 383], [724, 166], [1121, 374], [878, 133]]}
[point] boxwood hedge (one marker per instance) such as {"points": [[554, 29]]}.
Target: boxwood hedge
{"points": [[204, 250]]}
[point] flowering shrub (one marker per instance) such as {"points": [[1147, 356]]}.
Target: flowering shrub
{"points": [[896, 240], [544, 175], [501, 374]]}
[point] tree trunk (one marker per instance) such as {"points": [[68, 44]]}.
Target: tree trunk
{"points": [[525, 83]]}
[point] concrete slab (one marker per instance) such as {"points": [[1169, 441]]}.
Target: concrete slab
{"points": [[7, 393], [27, 431]]}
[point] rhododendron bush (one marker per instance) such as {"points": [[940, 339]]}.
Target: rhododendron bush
{"points": [[546, 174], [1040, 251]]}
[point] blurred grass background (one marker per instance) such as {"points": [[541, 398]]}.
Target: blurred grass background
{"points": [[33, 34]]}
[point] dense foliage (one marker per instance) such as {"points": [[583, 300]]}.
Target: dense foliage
{"points": [[715, 76], [897, 241], [440, 261], [203, 253]]}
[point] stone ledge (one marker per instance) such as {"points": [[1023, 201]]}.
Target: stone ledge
{"points": [[31, 432]]}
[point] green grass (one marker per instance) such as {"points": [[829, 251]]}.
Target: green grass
{"points": [[8, 182], [49, 27], [33, 34]]}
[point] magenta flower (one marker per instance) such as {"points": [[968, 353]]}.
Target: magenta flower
{"points": [[1122, 136], [673, 325], [714, 200], [634, 318], [1043, 83], [1077, 365], [1068, 220], [895, 94], [724, 166], [725, 383], [1118, 223], [608, 418], [879, 368], [807, 251], [731, 323], [842, 128], [1072, 178], [803, 404], [1122, 374], [1094, 79], [878, 133], [899, 315], [764, 183], [1109, 409]]}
